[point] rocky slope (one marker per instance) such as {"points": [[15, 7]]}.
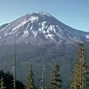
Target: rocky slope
{"points": [[40, 28]]}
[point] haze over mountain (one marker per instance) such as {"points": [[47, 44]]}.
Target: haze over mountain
{"points": [[39, 36]]}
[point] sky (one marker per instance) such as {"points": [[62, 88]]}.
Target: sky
{"points": [[74, 13]]}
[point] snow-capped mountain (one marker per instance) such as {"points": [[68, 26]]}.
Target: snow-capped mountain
{"points": [[40, 28]]}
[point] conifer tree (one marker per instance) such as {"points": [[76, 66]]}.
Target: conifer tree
{"points": [[30, 81], [87, 75], [79, 73], [55, 78], [2, 84]]}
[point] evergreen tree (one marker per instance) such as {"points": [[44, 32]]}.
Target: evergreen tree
{"points": [[19, 85], [30, 81], [55, 78], [8, 81], [87, 75], [79, 72], [2, 84]]}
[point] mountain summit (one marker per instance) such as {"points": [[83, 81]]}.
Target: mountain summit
{"points": [[39, 36], [40, 28]]}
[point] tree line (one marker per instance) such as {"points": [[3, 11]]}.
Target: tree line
{"points": [[79, 79], [6, 81]]}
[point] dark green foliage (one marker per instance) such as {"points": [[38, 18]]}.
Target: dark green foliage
{"points": [[55, 78], [8, 81], [19, 85], [30, 80], [87, 75]]}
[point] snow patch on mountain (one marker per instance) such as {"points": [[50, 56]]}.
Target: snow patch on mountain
{"points": [[34, 33], [50, 37], [5, 34], [26, 33], [44, 25], [40, 28], [34, 18], [44, 13], [87, 36], [18, 26]]}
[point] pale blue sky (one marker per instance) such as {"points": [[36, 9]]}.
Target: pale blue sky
{"points": [[74, 13]]}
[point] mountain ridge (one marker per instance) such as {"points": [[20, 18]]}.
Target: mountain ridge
{"points": [[34, 43], [39, 28]]}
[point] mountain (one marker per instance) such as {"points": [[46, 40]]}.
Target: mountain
{"points": [[40, 36], [40, 28]]}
